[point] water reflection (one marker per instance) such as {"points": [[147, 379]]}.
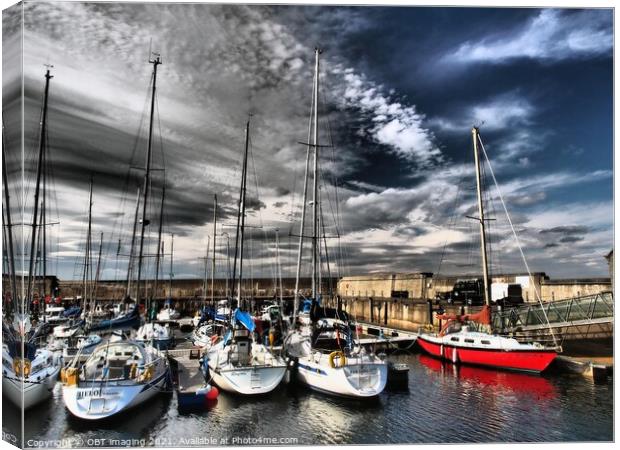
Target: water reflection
{"points": [[493, 380], [443, 403]]}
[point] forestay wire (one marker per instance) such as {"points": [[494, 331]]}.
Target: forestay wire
{"points": [[514, 232]]}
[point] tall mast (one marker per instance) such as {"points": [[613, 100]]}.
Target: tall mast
{"points": [[97, 271], [43, 225], [87, 258], [303, 213], [241, 219], [213, 261], [315, 197], [147, 175], [159, 252], [9, 224], [205, 279], [37, 190], [481, 219], [171, 263], [279, 274], [329, 273], [133, 245], [227, 263]]}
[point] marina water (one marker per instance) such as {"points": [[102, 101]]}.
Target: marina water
{"points": [[443, 404]]}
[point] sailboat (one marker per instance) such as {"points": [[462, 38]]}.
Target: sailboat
{"points": [[238, 363], [168, 313], [322, 347], [464, 338], [29, 372], [70, 338], [153, 333], [121, 374], [116, 377]]}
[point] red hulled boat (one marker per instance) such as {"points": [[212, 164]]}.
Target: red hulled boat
{"points": [[458, 344]]}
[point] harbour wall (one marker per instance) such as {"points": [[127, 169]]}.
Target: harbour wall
{"points": [[378, 286], [425, 286]]}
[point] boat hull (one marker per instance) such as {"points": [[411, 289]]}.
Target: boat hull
{"points": [[355, 380], [248, 380], [102, 400], [527, 360], [34, 392]]}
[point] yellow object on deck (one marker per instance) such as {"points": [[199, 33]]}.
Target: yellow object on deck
{"points": [[340, 355]]}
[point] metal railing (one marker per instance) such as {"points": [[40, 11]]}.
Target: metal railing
{"points": [[576, 311]]}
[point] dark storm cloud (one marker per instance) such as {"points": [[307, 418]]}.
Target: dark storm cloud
{"points": [[566, 229], [571, 239]]}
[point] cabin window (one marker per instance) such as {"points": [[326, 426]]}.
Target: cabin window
{"points": [[469, 341], [485, 342], [454, 339]]}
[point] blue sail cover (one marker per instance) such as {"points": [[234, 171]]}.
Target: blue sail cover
{"points": [[245, 319], [307, 306], [72, 311], [130, 319]]}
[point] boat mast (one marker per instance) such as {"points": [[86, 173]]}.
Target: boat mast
{"points": [[279, 273], [133, 245], [159, 250], [147, 175], [481, 219], [171, 264], [213, 261], [303, 211], [241, 219], [87, 258], [97, 273], [9, 224], [37, 190], [205, 279], [315, 209]]}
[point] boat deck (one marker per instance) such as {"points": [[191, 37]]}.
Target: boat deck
{"points": [[385, 336]]}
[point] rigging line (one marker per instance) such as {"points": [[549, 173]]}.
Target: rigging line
{"points": [[514, 232], [451, 223], [294, 202]]}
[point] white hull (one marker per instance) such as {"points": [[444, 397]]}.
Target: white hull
{"points": [[33, 392], [101, 400], [117, 376], [249, 380], [262, 374], [359, 378], [166, 315]]}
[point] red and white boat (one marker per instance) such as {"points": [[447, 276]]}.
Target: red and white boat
{"points": [[456, 342]]}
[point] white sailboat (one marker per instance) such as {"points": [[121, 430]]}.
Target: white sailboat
{"points": [[240, 365], [168, 313], [116, 377], [121, 374], [205, 335], [321, 347], [29, 372], [33, 373], [237, 362], [158, 335]]}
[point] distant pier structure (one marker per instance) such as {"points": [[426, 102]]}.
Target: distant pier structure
{"points": [[422, 286]]}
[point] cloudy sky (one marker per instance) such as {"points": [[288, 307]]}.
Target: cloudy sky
{"points": [[400, 89]]}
